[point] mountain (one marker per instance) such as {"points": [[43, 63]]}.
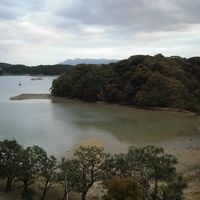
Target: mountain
{"points": [[77, 61]]}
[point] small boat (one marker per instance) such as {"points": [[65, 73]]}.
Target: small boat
{"points": [[20, 84]]}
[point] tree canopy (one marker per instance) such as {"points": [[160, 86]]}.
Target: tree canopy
{"points": [[40, 69], [141, 173], [148, 81]]}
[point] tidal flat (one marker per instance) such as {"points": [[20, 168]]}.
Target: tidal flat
{"points": [[59, 124]]}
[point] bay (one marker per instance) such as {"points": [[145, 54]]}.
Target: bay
{"points": [[59, 125]]}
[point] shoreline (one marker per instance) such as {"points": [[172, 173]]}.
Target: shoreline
{"points": [[30, 96], [26, 96]]}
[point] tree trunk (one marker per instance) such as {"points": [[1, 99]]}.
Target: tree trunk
{"points": [[8, 184], [45, 190], [66, 191], [64, 195], [83, 197], [25, 188], [155, 189]]}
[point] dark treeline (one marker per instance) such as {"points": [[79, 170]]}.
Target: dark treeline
{"points": [[145, 173], [146, 81], [40, 69]]}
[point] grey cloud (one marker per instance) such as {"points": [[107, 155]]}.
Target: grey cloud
{"points": [[52, 31], [136, 14], [13, 9], [189, 10]]}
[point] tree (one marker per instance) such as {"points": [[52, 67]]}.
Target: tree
{"points": [[152, 167], [69, 176], [9, 161], [90, 167], [31, 160], [161, 91], [141, 173], [116, 165], [48, 172], [124, 188], [174, 190]]}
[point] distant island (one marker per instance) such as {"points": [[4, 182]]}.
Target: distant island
{"points": [[78, 61], [56, 69], [144, 81], [9, 69]]}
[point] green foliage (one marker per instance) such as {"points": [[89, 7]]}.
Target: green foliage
{"points": [[83, 170], [9, 161], [69, 176], [116, 165], [48, 167], [48, 172], [124, 189], [141, 173], [31, 160], [156, 81], [152, 167], [160, 90], [174, 190], [154, 170], [41, 69], [85, 84], [90, 167]]}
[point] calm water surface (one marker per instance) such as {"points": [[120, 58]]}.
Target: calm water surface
{"points": [[58, 125]]}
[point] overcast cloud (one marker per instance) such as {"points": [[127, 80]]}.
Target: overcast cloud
{"points": [[47, 31]]}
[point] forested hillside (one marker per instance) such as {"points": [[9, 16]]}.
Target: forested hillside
{"points": [[153, 81], [41, 69]]}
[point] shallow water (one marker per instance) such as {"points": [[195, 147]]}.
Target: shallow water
{"points": [[58, 125]]}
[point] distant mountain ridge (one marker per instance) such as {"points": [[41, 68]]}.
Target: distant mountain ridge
{"points": [[77, 61]]}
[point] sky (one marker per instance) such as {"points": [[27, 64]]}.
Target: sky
{"points": [[34, 32]]}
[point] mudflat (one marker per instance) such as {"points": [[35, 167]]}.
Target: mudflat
{"points": [[31, 96]]}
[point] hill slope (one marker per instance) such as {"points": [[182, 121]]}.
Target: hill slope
{"points": [[40, 69], [140, 80]]}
